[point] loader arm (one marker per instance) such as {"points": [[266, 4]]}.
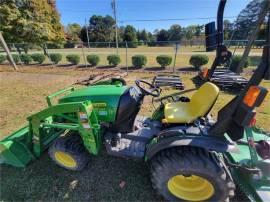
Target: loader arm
{"points": [[45, 126]]}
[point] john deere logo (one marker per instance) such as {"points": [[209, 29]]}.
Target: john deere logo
{"points": [[100, 105]]}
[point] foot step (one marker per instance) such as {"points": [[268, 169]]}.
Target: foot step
{"points": [[125, 148]]}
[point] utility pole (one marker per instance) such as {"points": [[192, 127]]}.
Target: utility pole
{"points": [[86, 29], [175, 54], [115, 19], [2, 41]]}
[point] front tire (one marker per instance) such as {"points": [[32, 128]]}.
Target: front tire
{"points": [[69, 152], [190, 174]]}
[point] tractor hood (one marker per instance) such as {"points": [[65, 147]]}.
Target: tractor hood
{"points": [[105, 99]]}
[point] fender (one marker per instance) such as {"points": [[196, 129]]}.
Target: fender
{"points": [[206, 142]]}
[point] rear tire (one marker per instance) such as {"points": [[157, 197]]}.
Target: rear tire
{"points": [[69, 152], [190, 174]]}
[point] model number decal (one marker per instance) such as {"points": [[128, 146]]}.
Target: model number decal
{"points": [[103, 113], [99, 105]]}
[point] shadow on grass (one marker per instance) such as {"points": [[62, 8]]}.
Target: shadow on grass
{"points": [[131, 68], [66, 65], [45, 64], [84, 67], [106, 67], [42, 180], [154, 69], [187, 69], [198, 82]]}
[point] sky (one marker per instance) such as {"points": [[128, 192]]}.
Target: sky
{"points": [[128, 11]]}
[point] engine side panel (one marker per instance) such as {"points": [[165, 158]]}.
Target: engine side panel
{"points": [[105, 99]]}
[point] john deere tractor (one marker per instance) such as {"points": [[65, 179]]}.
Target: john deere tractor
{"points": [[192, 156]]}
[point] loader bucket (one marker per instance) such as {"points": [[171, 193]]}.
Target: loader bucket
{"points": [[14, 149]]}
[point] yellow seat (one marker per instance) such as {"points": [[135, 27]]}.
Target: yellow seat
{"points": [[200, 104]]}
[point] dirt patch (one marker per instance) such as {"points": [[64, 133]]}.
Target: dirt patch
{"points": [[24, 93], [34, 78]]}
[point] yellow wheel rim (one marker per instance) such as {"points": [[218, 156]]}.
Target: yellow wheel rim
{"points": [[65, 159], [191, 188]]}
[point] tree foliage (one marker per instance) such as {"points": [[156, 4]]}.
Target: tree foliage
{"points": [[139, 60], [192, 31], [130, 35], [175, 33], [38, 57], [247, 19], [142, 35], [73, 32], [228, 29], [163, 35], [101, 28], [74, 59], [30, 21], [164, 60], [113, 60], [2, 58], [93, 59], [198, 60]]}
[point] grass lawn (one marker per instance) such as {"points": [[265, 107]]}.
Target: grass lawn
{"points": [[23, 93]]}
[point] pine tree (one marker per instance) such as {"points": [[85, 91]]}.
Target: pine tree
{"points": [[247, 19]]}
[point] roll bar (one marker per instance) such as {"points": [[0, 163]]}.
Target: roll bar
{"points": [[222, 53], [220, 14]]}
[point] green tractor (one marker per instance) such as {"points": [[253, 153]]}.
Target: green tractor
{"points": [[192, 157], [184, 158]]}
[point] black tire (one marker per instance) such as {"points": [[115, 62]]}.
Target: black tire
{"points": [[188, 162], [71, 148]]}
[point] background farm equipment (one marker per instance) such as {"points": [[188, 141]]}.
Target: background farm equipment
{"points": [[226, 79], [101, 76], [168, 80]]}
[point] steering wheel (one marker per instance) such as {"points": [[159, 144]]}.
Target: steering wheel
{"points": [[119, 81], [151, 90]]}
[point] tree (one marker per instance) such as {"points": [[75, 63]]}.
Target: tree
{"points": [[130, 33], [188, 32], [247, 19], [83, 35], [121, 32], [142, 35], [130, 36], [101, 28], [228, 29], [151, 37], [73, 32], [30, 21], [175, 33], [198, 30], [163, 35], [263, 31]]}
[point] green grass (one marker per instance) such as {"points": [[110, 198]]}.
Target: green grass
{"points": [[23, 93], [42, 180]]}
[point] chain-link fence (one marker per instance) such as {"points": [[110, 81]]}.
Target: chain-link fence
{"points": [[179, 52]]}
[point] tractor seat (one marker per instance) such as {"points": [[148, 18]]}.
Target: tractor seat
{"points": [[200, 105]]}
